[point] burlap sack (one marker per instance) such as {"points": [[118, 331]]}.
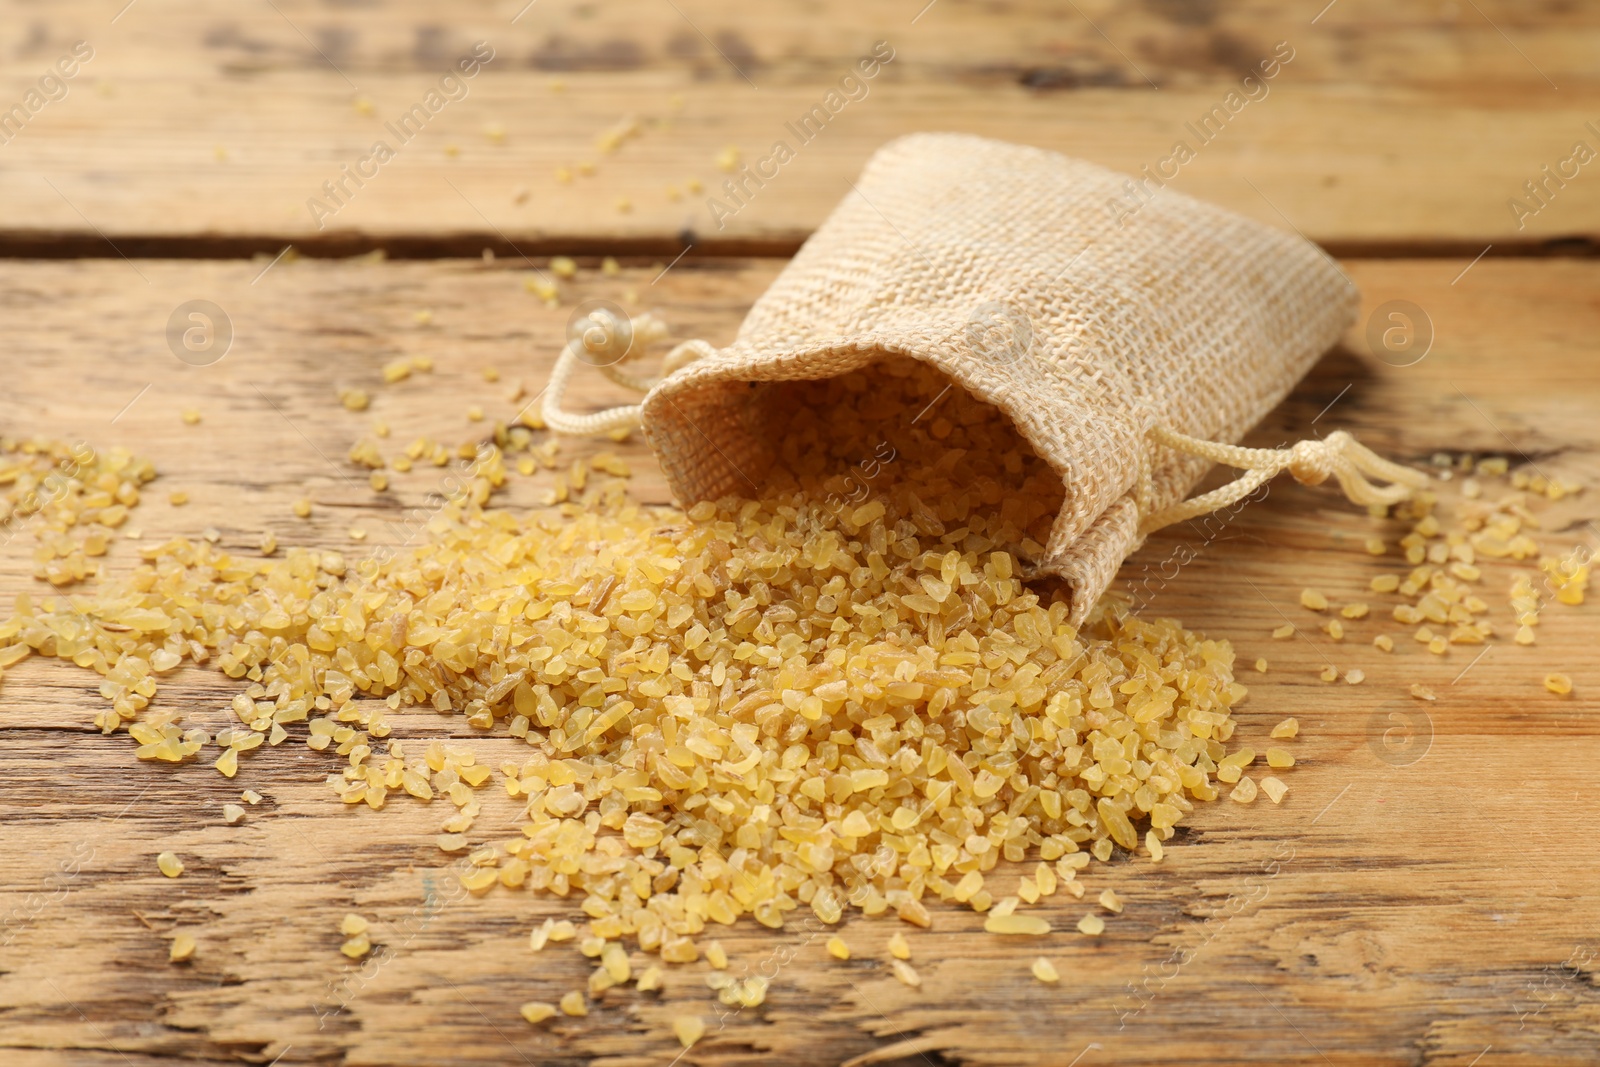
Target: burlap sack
{"points": [[1129, 345]]}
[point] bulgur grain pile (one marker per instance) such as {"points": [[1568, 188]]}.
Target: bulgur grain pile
{"points": [[79, 497], [838, 695]]}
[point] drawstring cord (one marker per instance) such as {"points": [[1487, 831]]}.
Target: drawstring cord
{"points": [[1311, 462], [600, 341]]}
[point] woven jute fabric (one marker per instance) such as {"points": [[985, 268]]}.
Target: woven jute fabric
{"points": [[1111, 323]]}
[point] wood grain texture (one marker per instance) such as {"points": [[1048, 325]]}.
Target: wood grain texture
{"points": [[1418, 897], [202, 129], [1465, 48]]}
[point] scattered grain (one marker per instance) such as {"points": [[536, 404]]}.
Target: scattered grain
{"points": [[906, 973], [688, 1029], [1014, 923]]}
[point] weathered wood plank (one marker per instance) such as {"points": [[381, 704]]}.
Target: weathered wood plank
{"points": [[194, 130], [1393, 910], [1491, 45]]}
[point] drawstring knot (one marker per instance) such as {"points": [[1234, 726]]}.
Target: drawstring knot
{"points": [[1312, 462]]}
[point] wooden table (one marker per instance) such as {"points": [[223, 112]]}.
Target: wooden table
{"points": [[1425, 895]]}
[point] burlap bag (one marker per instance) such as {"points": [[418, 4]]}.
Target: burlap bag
{"points": [[1130, 345]]}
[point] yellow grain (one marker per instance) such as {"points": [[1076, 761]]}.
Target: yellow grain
{"points": [[1045, 971], [1558, 683], [573, 1003], [182, 948], [721, 713], [169, 864], [1286, 729], [688, 1029], [537, 1011], [1311, 598], [1031, 925], [837, 948], [1092, 925]]}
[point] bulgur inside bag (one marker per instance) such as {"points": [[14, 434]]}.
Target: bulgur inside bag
{"points": [[1128, 349]]}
